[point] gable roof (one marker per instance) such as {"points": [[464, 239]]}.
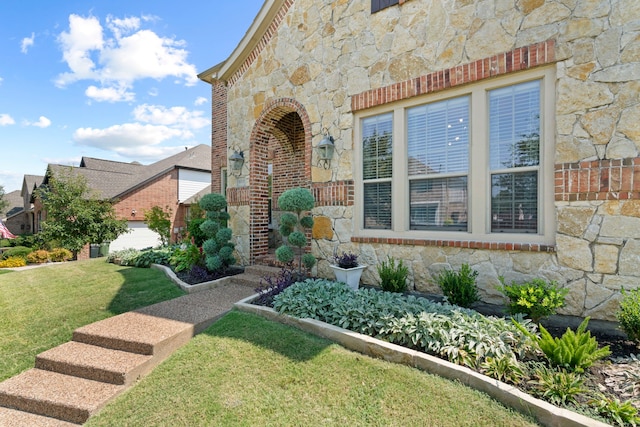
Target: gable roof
{"points": [[15, 204], [110, 179], [256, 36]]}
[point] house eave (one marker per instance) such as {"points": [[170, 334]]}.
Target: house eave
{"points": [[224, 70]]}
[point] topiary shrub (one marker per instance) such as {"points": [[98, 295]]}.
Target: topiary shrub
{"points": [[38, 257], [293, 225], [218, 247], [629, 314]]}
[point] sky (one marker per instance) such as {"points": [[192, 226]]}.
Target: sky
{"points": [[110, 79]]}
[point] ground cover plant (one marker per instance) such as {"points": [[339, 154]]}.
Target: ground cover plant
{"points": [[248, 371], [40, 308], [557, 369]]}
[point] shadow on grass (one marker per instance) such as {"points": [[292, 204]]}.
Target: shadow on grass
{"points": [[286, 340], [142, 287]]}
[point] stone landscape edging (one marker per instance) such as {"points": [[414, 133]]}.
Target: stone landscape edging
{"points": [[191, 288], [545, 413]]}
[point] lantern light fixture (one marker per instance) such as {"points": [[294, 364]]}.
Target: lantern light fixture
{"points": [[325, 149], [236, 161]]}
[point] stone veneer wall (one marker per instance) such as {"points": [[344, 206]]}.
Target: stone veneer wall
{"points": [[328, 54]]}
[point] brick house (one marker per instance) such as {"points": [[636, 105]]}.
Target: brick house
{"points": [[19, 216], [503, 134], [172, 183]]}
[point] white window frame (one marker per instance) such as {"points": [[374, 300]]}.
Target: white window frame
{"points": [[479, 181]]}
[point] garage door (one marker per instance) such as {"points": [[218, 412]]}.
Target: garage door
{"points": [[138, 237]]}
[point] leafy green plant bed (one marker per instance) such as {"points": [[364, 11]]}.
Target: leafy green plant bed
{"points": [[567, 370]]}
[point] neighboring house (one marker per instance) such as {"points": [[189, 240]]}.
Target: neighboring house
{"points": [[20, 217], [503, 134], [170, 184]]}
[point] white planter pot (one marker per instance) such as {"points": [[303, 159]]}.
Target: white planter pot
{"points": [[350, 276]]}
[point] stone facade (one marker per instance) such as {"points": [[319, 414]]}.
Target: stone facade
{"points": [[319, 62]]}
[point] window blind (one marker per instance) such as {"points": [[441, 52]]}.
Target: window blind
{"points": [[438, 137], [514, 126], [377, 158]]}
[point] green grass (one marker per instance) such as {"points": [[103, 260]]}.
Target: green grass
{"points": [[41, 307], [247, 371]]}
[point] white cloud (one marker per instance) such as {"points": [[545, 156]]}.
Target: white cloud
{"points": [[128, 137], [201, 100], [1, 79], [42, 122], [109, 94], [84, 36], [178, 117], [6, 120], [116, 62], [27, 42], [120, 26]]}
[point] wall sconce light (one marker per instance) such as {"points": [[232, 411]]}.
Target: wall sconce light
{"points": [[325, 149], [236, 160], [133, 212]]}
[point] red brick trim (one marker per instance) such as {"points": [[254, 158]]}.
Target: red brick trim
{"points": [[238, 196], [519, 59], [218, 134], [497, 246], [264, 41], [598, 180], [264, 129], [338, 193]]}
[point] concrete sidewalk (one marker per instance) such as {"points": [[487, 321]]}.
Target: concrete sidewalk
{"points": [[73, 381]]}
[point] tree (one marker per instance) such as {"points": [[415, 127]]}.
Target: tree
{"points": [[75, 215], [159, 221], [3, 203]]}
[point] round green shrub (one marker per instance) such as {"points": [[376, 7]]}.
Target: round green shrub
{"points": [[297, 239], [226, 253], [224, 235], [214, 263], [629, 314], [285, 230], [210, 227], [210, 247], [306, 222], [288, 219], [296, 200], [308, 260], [213, 202], [284, 254]]}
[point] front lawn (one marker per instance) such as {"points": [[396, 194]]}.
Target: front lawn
{"points": [[247, 371], [41, 307]]}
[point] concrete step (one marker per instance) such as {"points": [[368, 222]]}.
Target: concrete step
{"points": [[15, 418], [56, 395], [249, 280], [261, 270], [137, 332], [96, 363]]}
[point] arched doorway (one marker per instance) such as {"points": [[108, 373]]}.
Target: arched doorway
{"points": [[280, 147]]}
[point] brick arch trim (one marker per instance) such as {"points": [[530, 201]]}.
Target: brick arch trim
{"points": [[265, 128]]}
